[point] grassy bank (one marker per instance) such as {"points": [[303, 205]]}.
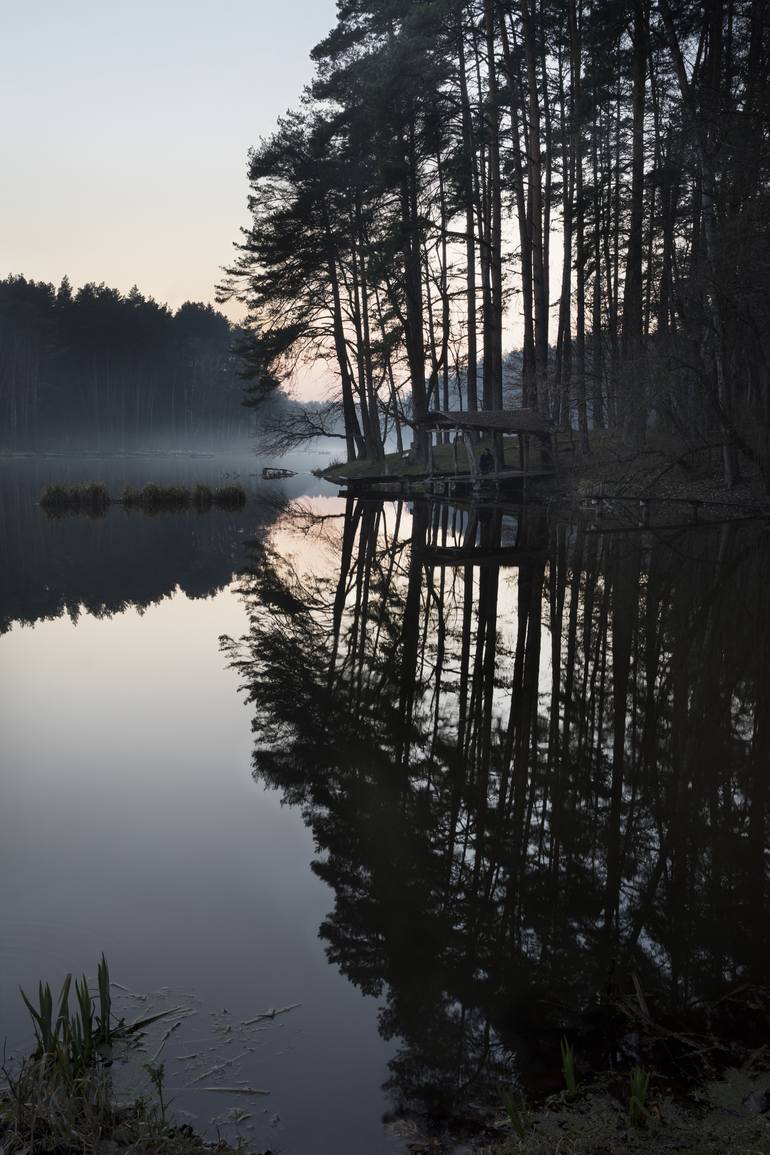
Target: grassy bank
{"points": [[93, 500], [41, 1115], [620, 1115], [701, 1084], [60, 1100]]}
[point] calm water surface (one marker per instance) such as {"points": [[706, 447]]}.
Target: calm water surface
{"points": [[130, 822], [494, 773]]}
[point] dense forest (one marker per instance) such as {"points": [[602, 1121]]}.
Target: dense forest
{"points": [[94, 368], [586, 180]]}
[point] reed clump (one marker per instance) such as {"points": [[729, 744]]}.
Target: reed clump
{"points": [[70, 1041], [638, 1096], [154, 498], [568, 1068], [229, 497], [93, 499], [90, 498], [202, 498], [61, 1100]]}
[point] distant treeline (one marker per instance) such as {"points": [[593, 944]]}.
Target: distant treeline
{"points": [[94, 367]]}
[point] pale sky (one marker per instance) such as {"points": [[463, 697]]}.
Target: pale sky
{"points": [[124, 128]]}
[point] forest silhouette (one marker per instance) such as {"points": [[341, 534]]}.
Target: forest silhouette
{"points": [[99, 369]]}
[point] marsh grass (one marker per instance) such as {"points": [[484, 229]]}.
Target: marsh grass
{"points": [[93, 499], [568, 1068], [517, 1112], [638, 1088], [158, 498], [41, 1116], [69, 1042], [229, 497], [616, 1116], [157, 1073], [90, 498], [202, 498], [61, 1100], [153, 498]]}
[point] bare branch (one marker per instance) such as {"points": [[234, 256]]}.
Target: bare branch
{"points": [[294, 427]]}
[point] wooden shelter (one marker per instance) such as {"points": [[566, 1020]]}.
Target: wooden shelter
{"points": [[482, 434]]}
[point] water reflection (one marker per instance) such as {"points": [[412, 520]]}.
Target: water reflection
{"points": [[534, 759], [129, 823], [124, 559]]}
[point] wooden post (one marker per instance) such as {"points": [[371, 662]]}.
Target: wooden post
{"points": [[470, 449], [469, 537]]}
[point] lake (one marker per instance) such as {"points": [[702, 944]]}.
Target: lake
{"points": [[437, 783]]}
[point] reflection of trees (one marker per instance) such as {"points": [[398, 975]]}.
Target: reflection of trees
{"points": [[527, 786], [127, 559]]}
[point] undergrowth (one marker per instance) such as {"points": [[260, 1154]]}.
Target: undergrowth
{"points": [[60, 1100]]}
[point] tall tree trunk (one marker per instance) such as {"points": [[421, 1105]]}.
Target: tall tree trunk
{"points": [[493, 376], [576, 69], [412, 256], [635, 406], [708, 217], [469, 157], [515, 86], [562, 375], [353, 440], [535, 186]]}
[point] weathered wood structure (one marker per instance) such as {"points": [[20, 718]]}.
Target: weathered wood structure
{"points": [[483, 433], [483, 463]]}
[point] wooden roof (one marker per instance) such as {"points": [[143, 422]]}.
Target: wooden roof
{"points": [[489, 420]]}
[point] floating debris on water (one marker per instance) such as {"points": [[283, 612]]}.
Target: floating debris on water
{"points": [[271, 1014]]}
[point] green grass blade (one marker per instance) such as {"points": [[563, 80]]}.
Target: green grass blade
{"points": [[105, 1000]]}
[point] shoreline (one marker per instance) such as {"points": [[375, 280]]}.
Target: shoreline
{"points": [[665, 469]]}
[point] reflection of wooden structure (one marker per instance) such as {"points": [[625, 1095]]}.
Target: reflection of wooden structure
{"points": [[494, 534], [481, 555], [523, 424]]}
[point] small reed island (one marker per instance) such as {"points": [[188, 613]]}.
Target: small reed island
{"points": [[93, 499]]}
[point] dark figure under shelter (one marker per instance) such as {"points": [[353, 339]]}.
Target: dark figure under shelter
{"points": [[486, 462]]}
